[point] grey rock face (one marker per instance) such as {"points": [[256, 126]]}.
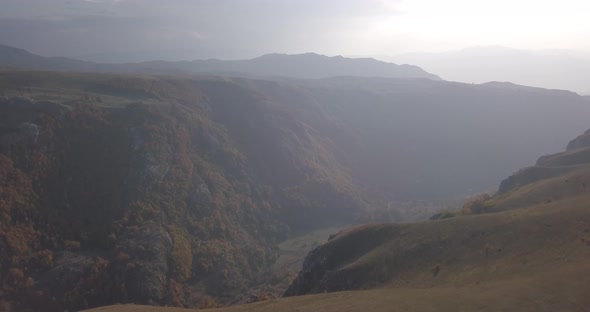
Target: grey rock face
{"points": [[150, 246]]}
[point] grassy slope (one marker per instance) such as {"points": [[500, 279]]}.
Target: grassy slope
{"points": [[564, 289], [554, 177], [574, 183], [532, 259]]}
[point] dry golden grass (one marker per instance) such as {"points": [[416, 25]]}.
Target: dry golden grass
{"points": [[563, 289], [574, 183]]}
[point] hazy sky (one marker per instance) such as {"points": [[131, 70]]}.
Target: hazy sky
{"points": [[118, 30]]}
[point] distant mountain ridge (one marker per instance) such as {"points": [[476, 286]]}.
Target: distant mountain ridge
{"points": [[20, 58], [552, 69], [308, 65]]}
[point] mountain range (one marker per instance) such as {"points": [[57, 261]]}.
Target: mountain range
{"points": [[308, 65]]}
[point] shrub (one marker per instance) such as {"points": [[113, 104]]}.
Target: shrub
{"points": [[477, 205], [45, 258], [72, 245], [445, 214], [123, 257], [15, 276], [207, 303], [182, 257]]}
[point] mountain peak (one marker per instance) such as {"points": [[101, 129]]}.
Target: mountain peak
{"points": [[314, 65], [8, 51], [309, 55]]}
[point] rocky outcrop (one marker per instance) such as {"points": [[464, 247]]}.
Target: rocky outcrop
{"points": [[17, 119], [531, 174], [150, 249], [580, 142], [549, 166], [25, 133]]}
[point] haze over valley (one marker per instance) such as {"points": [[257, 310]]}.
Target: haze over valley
{"points": [[169, 156]]}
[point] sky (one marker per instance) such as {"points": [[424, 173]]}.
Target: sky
{"points": [[136, 30]]}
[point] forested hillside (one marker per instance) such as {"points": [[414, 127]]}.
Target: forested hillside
{"points": [[151, 192]]}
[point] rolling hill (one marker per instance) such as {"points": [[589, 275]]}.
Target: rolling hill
{"points": [[12, 57], [552, 69]]}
